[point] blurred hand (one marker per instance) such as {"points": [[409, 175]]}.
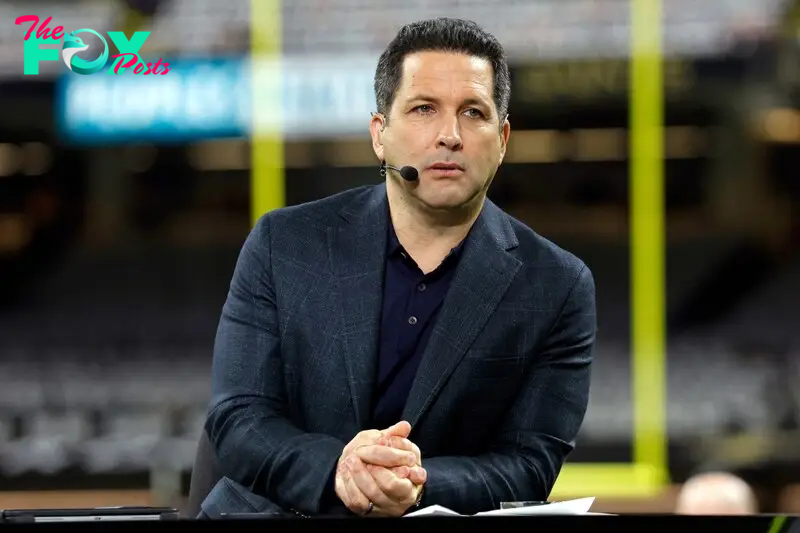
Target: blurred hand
{"points": [[382, 467]]}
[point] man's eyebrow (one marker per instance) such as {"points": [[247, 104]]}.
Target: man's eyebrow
{"points": [[468, 101], [424, 97], [475, 101]]}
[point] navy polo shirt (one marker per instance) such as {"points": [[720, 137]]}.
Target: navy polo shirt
{"points": [[411, 302]]}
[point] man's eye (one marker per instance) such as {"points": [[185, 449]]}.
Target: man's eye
{"points": [[424, 108], [474, 113]]}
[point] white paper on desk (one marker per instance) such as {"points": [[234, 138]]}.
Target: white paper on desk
{"points": [[569, 507]]}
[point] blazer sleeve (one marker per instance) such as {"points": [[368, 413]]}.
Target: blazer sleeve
{"points": [[539, 432], [256, 445]]}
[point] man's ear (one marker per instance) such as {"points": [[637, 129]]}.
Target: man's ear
{"points": [[376, 126], [505, 134]]}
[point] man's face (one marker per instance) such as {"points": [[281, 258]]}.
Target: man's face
{"points": [[444, 122]]}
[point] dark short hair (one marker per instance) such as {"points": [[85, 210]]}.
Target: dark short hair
{"points": [[446, 35]]}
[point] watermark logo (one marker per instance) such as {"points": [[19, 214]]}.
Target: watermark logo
{"points": [[73, 45]]}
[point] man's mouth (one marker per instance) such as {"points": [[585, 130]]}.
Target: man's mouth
{"points": [[446, 166]]}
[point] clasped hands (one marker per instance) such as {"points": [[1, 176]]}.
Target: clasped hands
{"points": [[382, 468]]}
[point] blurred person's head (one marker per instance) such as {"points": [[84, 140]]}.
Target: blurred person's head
{"points": [[716, 493], [442, 89]]}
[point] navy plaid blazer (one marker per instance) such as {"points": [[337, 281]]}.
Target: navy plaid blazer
{"points": [[501, 391]]}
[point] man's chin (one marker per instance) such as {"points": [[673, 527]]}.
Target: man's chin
{"points": [[447, 202], [443, 205]]}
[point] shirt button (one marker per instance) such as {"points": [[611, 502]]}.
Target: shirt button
{"points": [[421, 287], [412, 320]]}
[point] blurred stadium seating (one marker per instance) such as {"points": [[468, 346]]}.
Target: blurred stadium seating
{"points": [[125, 389]]}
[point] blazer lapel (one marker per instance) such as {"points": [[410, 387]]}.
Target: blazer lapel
{"points": [[482, 277], [357, 250]]}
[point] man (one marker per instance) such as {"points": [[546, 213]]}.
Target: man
{"points": [[408, 343], [716, 493]]}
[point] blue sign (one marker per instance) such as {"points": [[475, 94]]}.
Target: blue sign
{"points": [[212, 98]]}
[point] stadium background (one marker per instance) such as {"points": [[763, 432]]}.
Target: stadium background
{"points": [[672, 171]]}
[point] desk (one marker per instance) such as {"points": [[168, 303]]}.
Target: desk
{"points": [[566, 524]]}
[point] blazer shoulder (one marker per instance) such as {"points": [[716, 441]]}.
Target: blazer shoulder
{"points": [[535, 250], [320, 213]]}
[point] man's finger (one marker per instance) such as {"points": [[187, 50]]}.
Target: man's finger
{"points": [[401, 429], [417, 475], [349, 493], [401, 471], [385, 456], [397, 489], [366, 484], [357, 502], [341, 491], [400, 443]]}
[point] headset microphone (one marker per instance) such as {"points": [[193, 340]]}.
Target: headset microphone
{"points": [[407, 173]]}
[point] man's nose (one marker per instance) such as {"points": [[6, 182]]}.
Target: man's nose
{"points": [[449, 135]]}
